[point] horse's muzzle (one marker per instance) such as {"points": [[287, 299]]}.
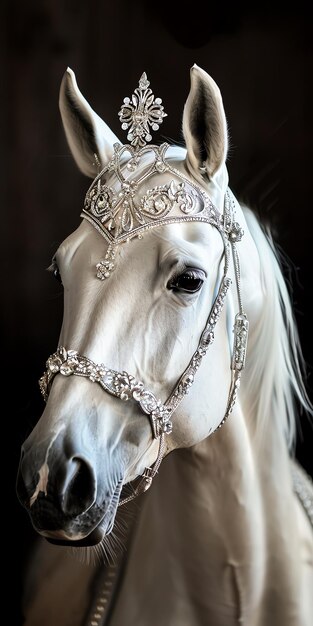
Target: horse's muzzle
{"points": [[64, 500]]}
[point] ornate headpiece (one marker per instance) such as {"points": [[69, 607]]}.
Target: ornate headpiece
{"points": [[123, 202]]}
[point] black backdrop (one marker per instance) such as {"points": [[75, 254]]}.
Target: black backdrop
{"points": [[261, 57]]}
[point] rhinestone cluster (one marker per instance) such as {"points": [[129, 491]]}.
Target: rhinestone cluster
{"points": [[241, 328], [141, 111], [119, 384]]}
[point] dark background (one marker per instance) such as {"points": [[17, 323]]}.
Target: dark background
{"points": [[260, 55]]}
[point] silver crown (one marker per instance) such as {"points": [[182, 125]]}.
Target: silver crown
{"points": [[125, 200]]}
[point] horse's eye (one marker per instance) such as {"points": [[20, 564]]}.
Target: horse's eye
{"points": [[54, 269], [190, 281], [56, 274]]}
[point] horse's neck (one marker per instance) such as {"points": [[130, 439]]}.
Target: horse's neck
{"points": [[217, 530]]}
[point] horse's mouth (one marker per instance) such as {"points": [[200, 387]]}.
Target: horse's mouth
{"points": [[92, 539], [96, 534], [101, 530]]}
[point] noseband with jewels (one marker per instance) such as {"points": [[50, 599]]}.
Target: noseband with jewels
{"points": [[119, 212]]}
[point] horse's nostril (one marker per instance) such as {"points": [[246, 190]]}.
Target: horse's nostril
{"points": [[80, 488]]}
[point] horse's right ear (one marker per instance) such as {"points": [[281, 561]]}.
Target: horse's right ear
{"points": [[86, 133], [204, 126]]}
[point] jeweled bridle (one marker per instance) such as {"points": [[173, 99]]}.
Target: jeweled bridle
{"points": [[120, 213]]}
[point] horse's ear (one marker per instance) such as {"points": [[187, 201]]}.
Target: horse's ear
{"points": [[86, 133], [204, 126]]}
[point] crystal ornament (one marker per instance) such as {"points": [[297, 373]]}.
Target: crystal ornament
{"points": [[140, 112]]}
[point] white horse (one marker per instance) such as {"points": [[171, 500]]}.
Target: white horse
{"points": [[160, 280]]}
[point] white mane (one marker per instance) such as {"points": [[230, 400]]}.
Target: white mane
{"points": [[273, 384]]}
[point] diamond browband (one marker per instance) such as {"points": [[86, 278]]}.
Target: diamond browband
{"points": [[116, 203], [125, 199], [122, 210]]}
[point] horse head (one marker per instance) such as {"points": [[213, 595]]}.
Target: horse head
{"points": [[146, 276]]}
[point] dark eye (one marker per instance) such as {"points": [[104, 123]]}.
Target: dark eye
{"points": [[56, 274], [54, 269], [190, 281]]}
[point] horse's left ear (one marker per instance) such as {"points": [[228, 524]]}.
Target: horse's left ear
{"points": [[90, 139], [204, 126]]}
